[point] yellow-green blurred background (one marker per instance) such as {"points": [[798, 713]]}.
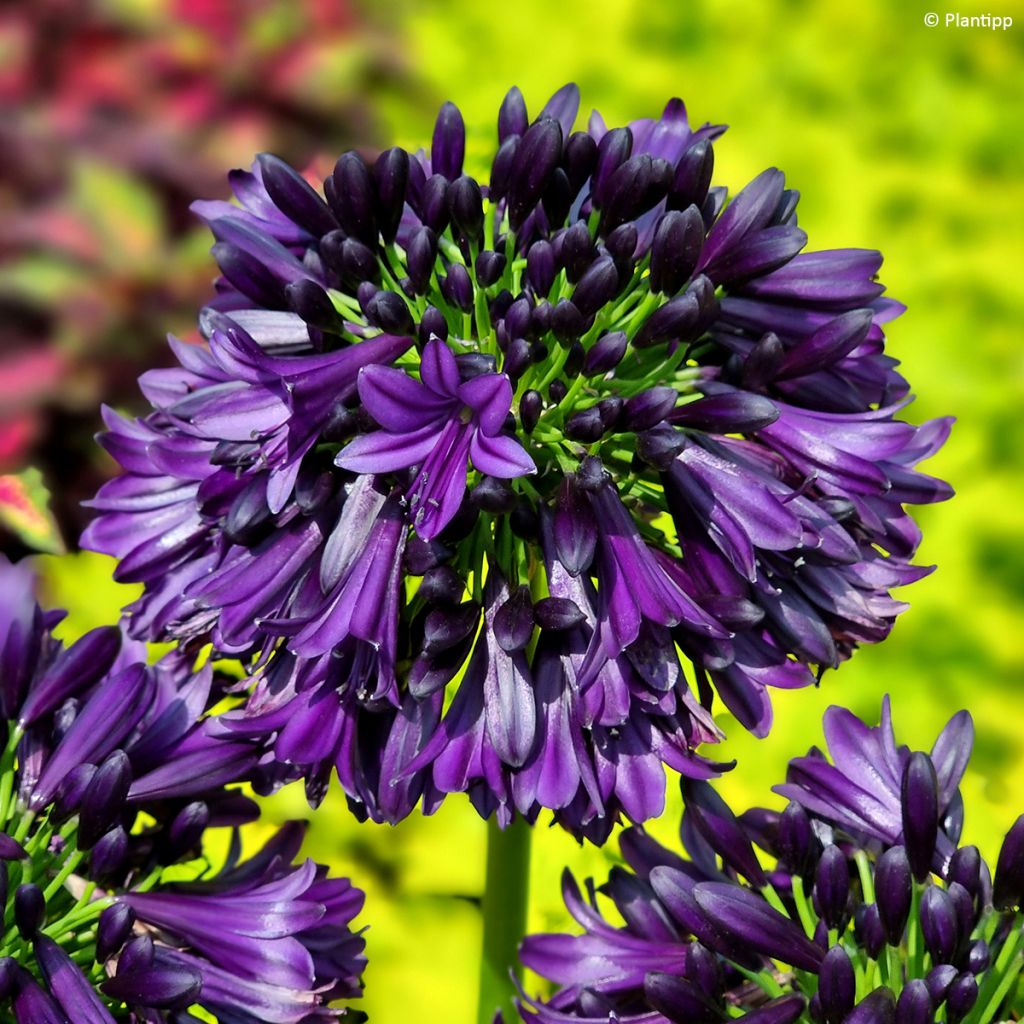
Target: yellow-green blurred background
{"points": [[900, 137]]}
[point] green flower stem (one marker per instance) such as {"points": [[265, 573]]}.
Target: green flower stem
{"points": [[504, 912], [803, 907]]}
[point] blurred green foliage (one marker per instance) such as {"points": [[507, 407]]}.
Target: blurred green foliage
{"points": [[900, 137]]}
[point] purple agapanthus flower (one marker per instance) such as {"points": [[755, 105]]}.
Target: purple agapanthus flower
{"points": [[802, 914], [112, 772], [463, 467]]}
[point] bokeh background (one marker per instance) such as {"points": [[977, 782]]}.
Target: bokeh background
{"points": [[899, 136]]}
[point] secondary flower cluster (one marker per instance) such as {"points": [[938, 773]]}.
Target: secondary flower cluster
{"points": [[474, 474], [111, 772], [861, 908]]}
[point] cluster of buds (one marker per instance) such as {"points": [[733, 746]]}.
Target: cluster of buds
{"points": [[112, 771], [854, 905]]}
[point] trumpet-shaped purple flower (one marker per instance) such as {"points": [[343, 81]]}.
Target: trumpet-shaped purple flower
{"points": [[437, 424], [463, 467]]}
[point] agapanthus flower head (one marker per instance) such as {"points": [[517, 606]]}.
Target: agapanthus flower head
{"points": [[496, 484], [843, 930], [111, 772]]}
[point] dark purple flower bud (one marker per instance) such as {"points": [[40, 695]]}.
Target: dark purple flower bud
{"points": [[457, 287], [978, 956], [938, 981], [952, 822], [513, 621], [580, 159], [622, 243], [965, 869], [567, 322], [104, 798], [161, 986], [433, 209], [704, 969], [501, 168], [442, 586], [69, 985], [517, 317], [832, 886], [448, 146], [139, 953], [867, 923], [10, 849], [634, 188], [72, 791], [557, 613], [577, 251], [530, 406], [465, 208], [186, 831], [692, 177], [29, 909], [432, 325], [391, 176], [420, 258], [914, 1005], [938, 924], [678, 240], [540, 323], [606, 353], [113, 930], [920, 808], [798, 846], [356, 261], [960, 998], [879, 1007], [893, 889], [598, 285], [721, 829], [109, 853], [489, 267], [537, 156], [752, 921], [390, 312], [735, 412], [966, 915], [610, 411], [676, 320], [248, 275], [649, 408], [494, 496], [613, 150], [524, 520], [585, 425], [1008, 887], [837, 984], [830, 343], [574, 528], [312, 303], [73, 671], [679, 999], [574, 361], [294, 196], [517, 358], [8, 973], [512, 116], [354, 199], [540, 267], [557, 390], [762, 364], [446, 627], [558, 196]]}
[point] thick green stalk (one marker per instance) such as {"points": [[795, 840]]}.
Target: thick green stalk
{"points": [[504, 911]]}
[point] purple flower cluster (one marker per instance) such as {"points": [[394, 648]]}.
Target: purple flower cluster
{"points": [[495, 486], [859, 889], [112, 771]]}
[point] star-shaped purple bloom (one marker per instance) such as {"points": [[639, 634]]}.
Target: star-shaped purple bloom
{"points": [[438, 423]]}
